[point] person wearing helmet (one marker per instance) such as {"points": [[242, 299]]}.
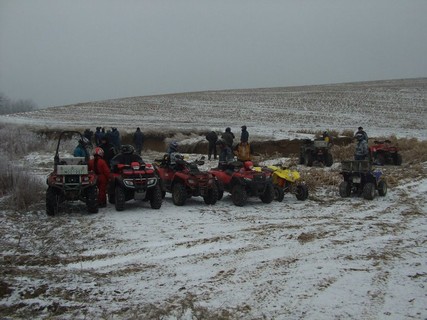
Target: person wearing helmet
{"points": [[326, 137], [361, 152], [361, 131], [228, 137], [82, 149], [173, 147], [100, 167], [109, 149]]}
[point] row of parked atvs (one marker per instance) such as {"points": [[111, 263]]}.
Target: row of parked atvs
{"points": [[71, 181]]}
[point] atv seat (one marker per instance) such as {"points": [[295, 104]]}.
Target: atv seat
{"points": [[72, 161], [356, 165]]}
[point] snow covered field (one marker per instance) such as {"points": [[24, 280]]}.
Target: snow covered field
{"points": [[323, 258]]}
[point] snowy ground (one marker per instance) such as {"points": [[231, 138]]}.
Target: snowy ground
{"points": [[324, 258]]}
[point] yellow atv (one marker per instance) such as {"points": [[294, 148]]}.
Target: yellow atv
{"points": [[285, 180]]}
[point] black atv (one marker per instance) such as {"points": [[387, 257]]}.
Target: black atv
{"points": [[315, 152], [360, 179], [70, 179]]}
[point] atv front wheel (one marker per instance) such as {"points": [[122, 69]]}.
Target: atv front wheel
{"points": [[179, 194], [155, 196], [92, 199], [211, 196], [120, 198], [397, 159], [369, 191], [268, 195], [329, 160], [308, 159], [52, 201], [220, 188], [345, 189], [382, 188], [301, 192], [239, 195], [279, 193]]}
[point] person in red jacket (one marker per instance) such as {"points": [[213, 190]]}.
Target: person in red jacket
{"points": [[100, 167]]}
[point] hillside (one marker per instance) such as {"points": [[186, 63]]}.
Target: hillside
{"points": [[390, 107]]}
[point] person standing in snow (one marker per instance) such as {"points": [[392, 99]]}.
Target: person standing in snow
{"points": [[115, 138], [109, 150], [138, 140], [102, 170], [228, 137], [244, 136], [212, 138]]}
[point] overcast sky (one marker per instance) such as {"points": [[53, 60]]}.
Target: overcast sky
{"points": [[58, 52]]}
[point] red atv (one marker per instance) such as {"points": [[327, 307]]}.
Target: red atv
{"points": [[239, 179], [70, 179], [137, 180], [383, 152], [184, 180]]}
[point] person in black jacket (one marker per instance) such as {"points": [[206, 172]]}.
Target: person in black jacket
{"points": [[212, 138], [109, 149], [228, 137], [244, 137], [138, 140]]}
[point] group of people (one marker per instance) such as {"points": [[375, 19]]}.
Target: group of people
{"points": [[107, 153], [242, 150]]}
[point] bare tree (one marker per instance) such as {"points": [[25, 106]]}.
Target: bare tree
{"points": [[8, 106]]}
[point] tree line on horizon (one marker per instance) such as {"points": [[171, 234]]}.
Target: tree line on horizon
{"points": [[8, 106]]}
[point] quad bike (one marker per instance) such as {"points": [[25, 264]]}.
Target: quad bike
{"points": [[360, 179], [137, 181], [184, 180], [315, 152], [382, 152], [285, 181], [70, 179], [241, 181]]}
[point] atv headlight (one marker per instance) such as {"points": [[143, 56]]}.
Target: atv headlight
{"points": [[128, 183], [192, 181], [151, 182], [58, 179]]}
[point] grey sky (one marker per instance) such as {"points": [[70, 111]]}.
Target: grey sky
{"points": [[59, 52]]}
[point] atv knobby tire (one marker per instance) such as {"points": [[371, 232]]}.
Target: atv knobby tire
{"points": [[92, 199], [220, 189], [279, 193], [120, 198], [239, 195], [211, 196], [369, 191], [156, 197], [345, 189], [329, 160], [52, 201], [179, 194], [268, 195], [397, 159], [308, 159], [301, 192], [382, 188]]}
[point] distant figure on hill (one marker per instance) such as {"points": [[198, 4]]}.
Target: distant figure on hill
{"points": [[138, 140], [212, 138]]}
